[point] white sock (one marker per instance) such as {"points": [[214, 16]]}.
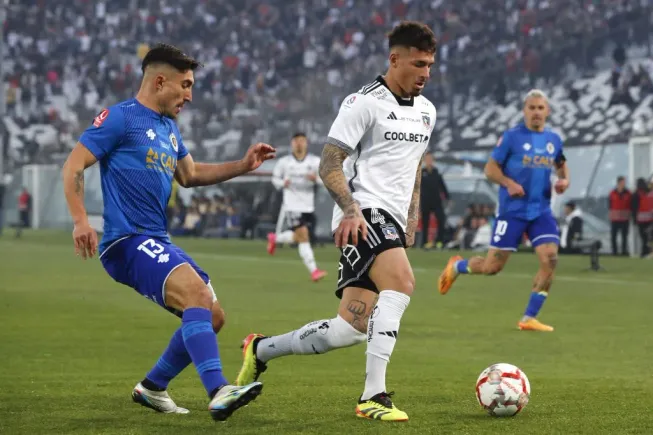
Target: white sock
{"points": [[382, 331], [286, 237], [306, 252], [315, 338]]}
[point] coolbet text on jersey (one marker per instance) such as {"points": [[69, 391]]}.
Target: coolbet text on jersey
{"points": [[385, 137], [527, 157]]}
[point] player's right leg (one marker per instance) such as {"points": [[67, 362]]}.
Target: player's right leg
{"points": [[393, 276], [348, 328], [302, 237], [187, 292], [506, 237]]}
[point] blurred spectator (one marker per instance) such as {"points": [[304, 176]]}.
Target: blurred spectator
{"points": [[643, 213], [433, 194], [24, 211], [619, 206], [571, 230]]}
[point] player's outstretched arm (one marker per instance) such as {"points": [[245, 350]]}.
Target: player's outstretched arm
{"points": [[495, 174], [413, 210], [334, 180], [85, 237], [193, 174]]}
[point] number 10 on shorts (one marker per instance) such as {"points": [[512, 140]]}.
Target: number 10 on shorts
{"points": [[501, 228]]}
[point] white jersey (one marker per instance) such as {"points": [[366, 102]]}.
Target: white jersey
{"points": [[299, 196], [385, 137]]}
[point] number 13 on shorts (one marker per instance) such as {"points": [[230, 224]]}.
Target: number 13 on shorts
{"points": [[154, 249]]}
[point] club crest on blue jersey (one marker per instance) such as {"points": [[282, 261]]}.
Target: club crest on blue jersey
{"points": [[389, 232], [173, 141]]}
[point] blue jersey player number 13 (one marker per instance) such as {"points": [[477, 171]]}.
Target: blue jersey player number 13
{"points": [[140, 150], [522, 164]]}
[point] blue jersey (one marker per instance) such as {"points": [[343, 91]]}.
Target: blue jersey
{"points": [[528, 157], [138, 150]]}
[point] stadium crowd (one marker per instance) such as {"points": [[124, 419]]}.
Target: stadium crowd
{"points": [[280, 59]]}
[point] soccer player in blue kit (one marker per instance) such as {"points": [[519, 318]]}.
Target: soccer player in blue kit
{"points": [[521, 164], [140, 150]]}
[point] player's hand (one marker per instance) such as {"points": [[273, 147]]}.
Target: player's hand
{"points": [[350, 225], [561, 185], [312, 178], [286, 183], [257, 154], [85, 239], [515, 189]]}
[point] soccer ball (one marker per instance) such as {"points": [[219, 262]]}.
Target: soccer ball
{"points": [[503, 390]]}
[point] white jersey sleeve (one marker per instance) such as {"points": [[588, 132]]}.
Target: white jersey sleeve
{"points": [[354, 118], [279, 173]]}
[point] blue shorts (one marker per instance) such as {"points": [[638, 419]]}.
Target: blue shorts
{"points": [[508, 231], [144, 264]]}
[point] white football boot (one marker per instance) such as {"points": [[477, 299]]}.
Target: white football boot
{"points": [[157, 400]]}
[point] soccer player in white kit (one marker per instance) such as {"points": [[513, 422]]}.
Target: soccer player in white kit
{"points": [[371, 165], [297, 175]]}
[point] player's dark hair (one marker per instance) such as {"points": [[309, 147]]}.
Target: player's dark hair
{"points": [[620, 178], [413, 34], [170, 55], [298, 134]]}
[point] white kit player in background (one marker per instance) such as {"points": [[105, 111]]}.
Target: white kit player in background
{"points": [[371, 166], [297, 175]]}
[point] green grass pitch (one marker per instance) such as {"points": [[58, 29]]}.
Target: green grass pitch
{"points": [[73, 343]]}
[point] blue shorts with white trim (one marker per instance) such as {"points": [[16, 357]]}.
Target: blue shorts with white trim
{"points": [[508, 231], [144, 264]]}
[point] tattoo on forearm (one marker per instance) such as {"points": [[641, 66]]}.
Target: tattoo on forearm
{"points": [[413, 210], [334, 179], [79, 182]]}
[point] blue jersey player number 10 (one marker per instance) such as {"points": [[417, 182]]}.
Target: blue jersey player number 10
{"points": [[140, 150], [522, 164]]}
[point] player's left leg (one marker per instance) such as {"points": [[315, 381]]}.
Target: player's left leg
{"points": [[392, 274], [544, 235], [506, 236], [302, 237], [152, 390]]}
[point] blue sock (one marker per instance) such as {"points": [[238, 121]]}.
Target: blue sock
{"points": [[535, 303], [462, 266], [202, 346], [174, 359]]}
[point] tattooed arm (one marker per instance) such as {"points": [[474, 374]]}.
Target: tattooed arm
{"points": [[73, 185], [335, 182], [413, 210], [73, 181]]}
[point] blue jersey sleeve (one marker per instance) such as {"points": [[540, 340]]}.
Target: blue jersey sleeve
{"points": [[501, 152], [106, 132], [183, 151], [560, 156]]}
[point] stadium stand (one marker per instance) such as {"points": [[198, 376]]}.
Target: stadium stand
{"points": [[286, 64]]}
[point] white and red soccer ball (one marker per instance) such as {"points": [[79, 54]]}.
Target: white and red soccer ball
{"points": [[503, 390]]}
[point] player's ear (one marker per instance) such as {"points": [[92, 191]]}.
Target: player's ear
{"points": [[394, 59], [159, 81]]}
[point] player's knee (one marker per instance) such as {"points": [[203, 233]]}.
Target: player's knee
{"points": [[404, 281], [301, 235], [198, 295]]}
